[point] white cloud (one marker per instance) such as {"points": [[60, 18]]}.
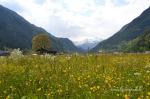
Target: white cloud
{"points": [[79, 19]]}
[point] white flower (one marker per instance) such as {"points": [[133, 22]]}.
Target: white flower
{"points": [[68, 57], [137, 74], [147, 71], [16, 54], [147, 66]]}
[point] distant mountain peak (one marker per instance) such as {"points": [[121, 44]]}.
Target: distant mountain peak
{"points": [[87, 44]]}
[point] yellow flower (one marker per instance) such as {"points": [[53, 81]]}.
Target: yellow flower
{"points": [[148, 93], [91, 88], [128, 80], [117, 94], [49, 94], [64, 71], [8, 97], [86, 85], [88, 76], [94, 88], [39, 89], [138, 98], [98, 87], [126, 96], [59, 91], [106, 81], [78, 78], [147, 97]]}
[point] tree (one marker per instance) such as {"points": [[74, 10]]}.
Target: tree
{"points": [[41, 41]]}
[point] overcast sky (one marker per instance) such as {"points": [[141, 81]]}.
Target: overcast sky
{"points": [[79, 19]]}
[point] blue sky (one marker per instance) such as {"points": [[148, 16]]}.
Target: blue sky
{"points": [[79, 19]]}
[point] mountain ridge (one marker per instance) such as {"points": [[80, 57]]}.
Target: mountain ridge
{"points": [[17, 32], [128, 32]]}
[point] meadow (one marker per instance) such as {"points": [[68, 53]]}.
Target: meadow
{"points": [[103, 76]]}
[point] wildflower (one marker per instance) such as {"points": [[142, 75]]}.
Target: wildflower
{"points": [[68, 57], [78, 78], [118, 95], [11, 87], [106, 81], [147, 71], [138, 98], [71, 75], [94, 88], [80, 86], [91, 88], [126, 96], [8, 97], [88, 76], [137, 74], [16, 54], [98, 87], [147, 97], [49, 94], [147, 66], [59, 91], [128, 80], [69, 68], [108, 78], [5, 91], [86, 85], [39, 89], [148, 93], [59, 85], [42, 78], [64, 71], [27, 83]]}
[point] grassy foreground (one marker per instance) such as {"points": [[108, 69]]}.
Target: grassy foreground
{"points": [[75, 77]]}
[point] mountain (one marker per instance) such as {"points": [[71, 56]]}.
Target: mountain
{"points": [[129, 32], [87, 44], [140, 44], [68, 46], [16, 32]]}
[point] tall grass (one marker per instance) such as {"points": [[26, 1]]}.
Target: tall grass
{"points": [[105, 76]]}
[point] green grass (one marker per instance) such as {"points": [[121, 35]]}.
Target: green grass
{"points": [[104, 76]]}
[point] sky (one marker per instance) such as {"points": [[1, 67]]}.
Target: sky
{"points": [[79, 19]]}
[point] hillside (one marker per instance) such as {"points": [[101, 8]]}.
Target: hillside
{"points": [[68, 46], [127, 33], [16, 32], [140, 44]]}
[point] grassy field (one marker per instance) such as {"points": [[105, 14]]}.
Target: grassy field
{"points": [[107, 76]]}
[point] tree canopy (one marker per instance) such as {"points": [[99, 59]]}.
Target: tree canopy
{"points": [[41, 41]]}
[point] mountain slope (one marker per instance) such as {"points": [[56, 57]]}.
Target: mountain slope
{"points": [[127, 33], [68, 46], [140, 44], [16, 32]]}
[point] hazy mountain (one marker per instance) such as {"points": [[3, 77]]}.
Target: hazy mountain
{"points": [[87, 44], [68, 46], [16, 32], [127, 33]]}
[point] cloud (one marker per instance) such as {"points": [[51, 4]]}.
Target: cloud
{"points": [[11, 5], [79, 19]]}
